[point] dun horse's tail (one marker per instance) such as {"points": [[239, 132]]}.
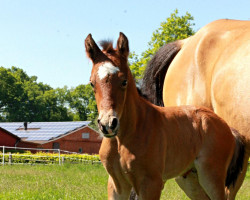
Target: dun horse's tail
{"points": [[156, 70], [236, 164]]}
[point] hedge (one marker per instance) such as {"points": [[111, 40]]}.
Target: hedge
{"points": [[48, 158]]}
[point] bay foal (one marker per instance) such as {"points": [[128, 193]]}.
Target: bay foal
{"points": [[144, 145]]}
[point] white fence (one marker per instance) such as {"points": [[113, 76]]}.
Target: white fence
{"points": [[60, 156]]}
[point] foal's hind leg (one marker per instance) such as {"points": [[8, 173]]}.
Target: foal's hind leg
{"points": [[191, 186]]}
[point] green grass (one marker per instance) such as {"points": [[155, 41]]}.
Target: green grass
{"points": [[53, 182], [70, 181]]}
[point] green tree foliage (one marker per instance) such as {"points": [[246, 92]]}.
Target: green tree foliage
{"points": [[82, 102], [174, 28], [23, 99]]}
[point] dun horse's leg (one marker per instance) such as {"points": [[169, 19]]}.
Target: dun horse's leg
{"points": [[234, 189], [191, 186], [212, 178], [115, 193]]}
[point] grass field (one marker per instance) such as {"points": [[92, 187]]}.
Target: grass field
{"points": [[79, 182]]}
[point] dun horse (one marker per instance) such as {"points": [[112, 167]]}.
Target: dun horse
{"points": [[144, 145], [212, 69]]}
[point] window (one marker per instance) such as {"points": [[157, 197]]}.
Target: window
{"points": [[56, 145], [85, 135], [80, 150]]}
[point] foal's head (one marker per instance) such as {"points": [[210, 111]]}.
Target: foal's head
{"points": [[110, 78]]}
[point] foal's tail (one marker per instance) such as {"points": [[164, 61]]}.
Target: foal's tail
{"points": [[236, 164], [156, 70]]}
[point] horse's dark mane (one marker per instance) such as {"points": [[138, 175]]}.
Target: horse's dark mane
{"points": [[144, 96], [107, 45], [156, 70]]}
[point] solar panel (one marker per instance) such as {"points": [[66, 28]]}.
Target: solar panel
{"points": [[42, 130]]}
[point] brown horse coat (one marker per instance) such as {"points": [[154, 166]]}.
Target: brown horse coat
{"points": [[144, 144]]}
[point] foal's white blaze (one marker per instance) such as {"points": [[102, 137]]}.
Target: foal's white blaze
{"points": [[107, 68]]}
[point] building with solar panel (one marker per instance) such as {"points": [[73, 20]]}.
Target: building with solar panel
{"points": [[69, 136]]}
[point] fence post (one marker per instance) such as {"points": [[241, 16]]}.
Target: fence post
{"points": [[3, 153], [59, 156], [10, 158], [62, 159]]}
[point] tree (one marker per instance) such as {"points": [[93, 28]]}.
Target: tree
{"points": [[82, 102], [174, 28], [11, 93], [23, 99]]}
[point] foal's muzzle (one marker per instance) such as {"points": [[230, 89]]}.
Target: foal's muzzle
{"points": [[108, 126]]}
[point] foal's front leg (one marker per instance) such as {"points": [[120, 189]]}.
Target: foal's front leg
{"points": [[118, 190], [150, 189]]}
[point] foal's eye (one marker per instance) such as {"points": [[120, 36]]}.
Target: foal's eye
{"points": [[124, 83], [92, 85]]}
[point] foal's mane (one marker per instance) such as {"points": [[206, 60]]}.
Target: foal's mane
{"points": [[107, 45]]}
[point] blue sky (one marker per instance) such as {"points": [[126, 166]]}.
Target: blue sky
{"points": [[46, 38]]}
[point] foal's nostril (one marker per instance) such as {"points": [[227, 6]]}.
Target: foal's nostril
{"points": [[114, 123], [103, 129]]}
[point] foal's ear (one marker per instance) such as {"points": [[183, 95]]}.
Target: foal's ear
{"points": [[122, 45], [92, 50]]}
